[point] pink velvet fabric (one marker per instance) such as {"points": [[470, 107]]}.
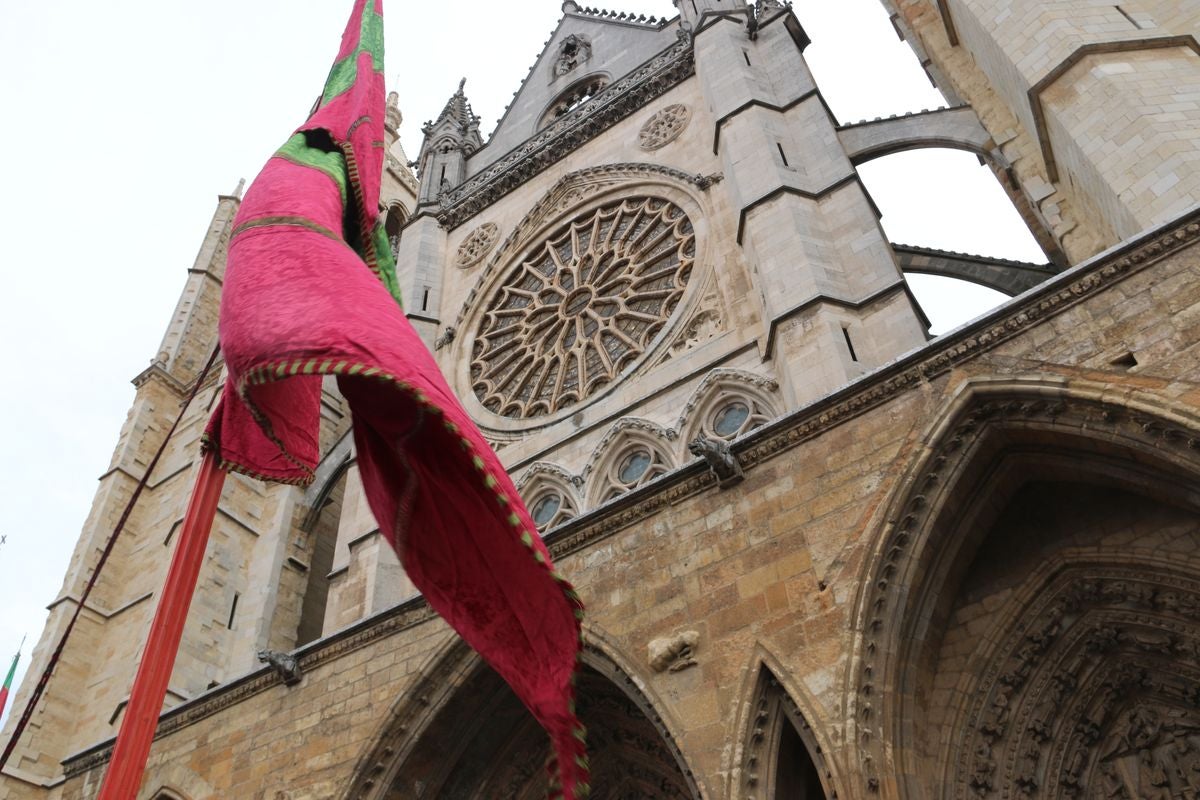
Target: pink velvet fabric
{"points": [[298, 300]]}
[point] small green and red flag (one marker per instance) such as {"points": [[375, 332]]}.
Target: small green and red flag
{"points": [[4, 690]]}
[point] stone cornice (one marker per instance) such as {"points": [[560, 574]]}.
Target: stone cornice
{"points": [[404, 616], [157, 371], [611, 105]]}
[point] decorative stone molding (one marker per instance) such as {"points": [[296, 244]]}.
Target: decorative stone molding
{"points": [[664, 127], [611, 105], [910, 522], [772, 708], [477, 245]]}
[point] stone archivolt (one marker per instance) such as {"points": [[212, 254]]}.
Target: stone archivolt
{"points": [[574, 313], [1096, 693], [991, 754]]}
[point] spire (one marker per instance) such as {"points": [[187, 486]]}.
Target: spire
{"points": [[449, 140], [457, 111]]}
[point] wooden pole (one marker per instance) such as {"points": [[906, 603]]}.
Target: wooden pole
{"points": [[128, 761]]}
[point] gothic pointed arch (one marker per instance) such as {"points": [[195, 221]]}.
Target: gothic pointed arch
{"points": [[413, 711], [633, 453], [164, 793], [314, 546], [1030, 614], [778, 753], [551, 494], [728, 403], [460, 732]]}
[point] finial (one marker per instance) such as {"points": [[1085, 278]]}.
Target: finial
{"points": [[393, 117], [241, 185], [461, 85], [570, 6]]}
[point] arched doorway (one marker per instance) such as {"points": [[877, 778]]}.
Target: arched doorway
{"points": [[482, 744], [1033, 625]]}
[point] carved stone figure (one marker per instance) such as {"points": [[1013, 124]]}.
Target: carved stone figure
{"points": [[674, 653], [573, 51], [286, 665], [1110, 786], [445, 339], [720, 459]]}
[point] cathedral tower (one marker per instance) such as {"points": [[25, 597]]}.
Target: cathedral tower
{"points": [[824, 554]]}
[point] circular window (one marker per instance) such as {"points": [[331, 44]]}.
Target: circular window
{"points": [[545, 508], [583, 306], [634, 466], [730, 419]]}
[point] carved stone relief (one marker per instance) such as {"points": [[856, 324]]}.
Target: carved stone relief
{"points": [[477, 245], [664, 126], [674, 653], [1094, 695], [579, 309], [573, 51]]}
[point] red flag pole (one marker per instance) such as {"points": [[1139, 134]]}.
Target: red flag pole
{"points": [[128, 761]]}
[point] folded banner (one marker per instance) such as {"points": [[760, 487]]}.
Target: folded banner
{"points": [[310, 290]]}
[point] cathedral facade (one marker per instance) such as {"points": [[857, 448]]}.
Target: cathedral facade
{"points": [[824, 554]]}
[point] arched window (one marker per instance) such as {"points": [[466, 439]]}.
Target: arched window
{"points": [[549, 494], [729, 403], [573, 97], [321, 542], [393, 224]]}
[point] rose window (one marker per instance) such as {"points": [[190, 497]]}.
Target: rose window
{"points": [[582, 307]]}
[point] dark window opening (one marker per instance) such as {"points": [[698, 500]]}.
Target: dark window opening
{"points": [[746, 55], [1125, 14], [573, 98], [849, 344], [796, 775], [232, 611], [782, 154], [322, 543], [425, 300]]}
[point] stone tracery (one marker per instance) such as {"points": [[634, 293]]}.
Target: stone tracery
{"points": [[477, 245], [664, 126], [580, 309]]}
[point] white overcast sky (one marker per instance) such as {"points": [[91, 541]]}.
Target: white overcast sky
{"points": [[126, 118]]}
